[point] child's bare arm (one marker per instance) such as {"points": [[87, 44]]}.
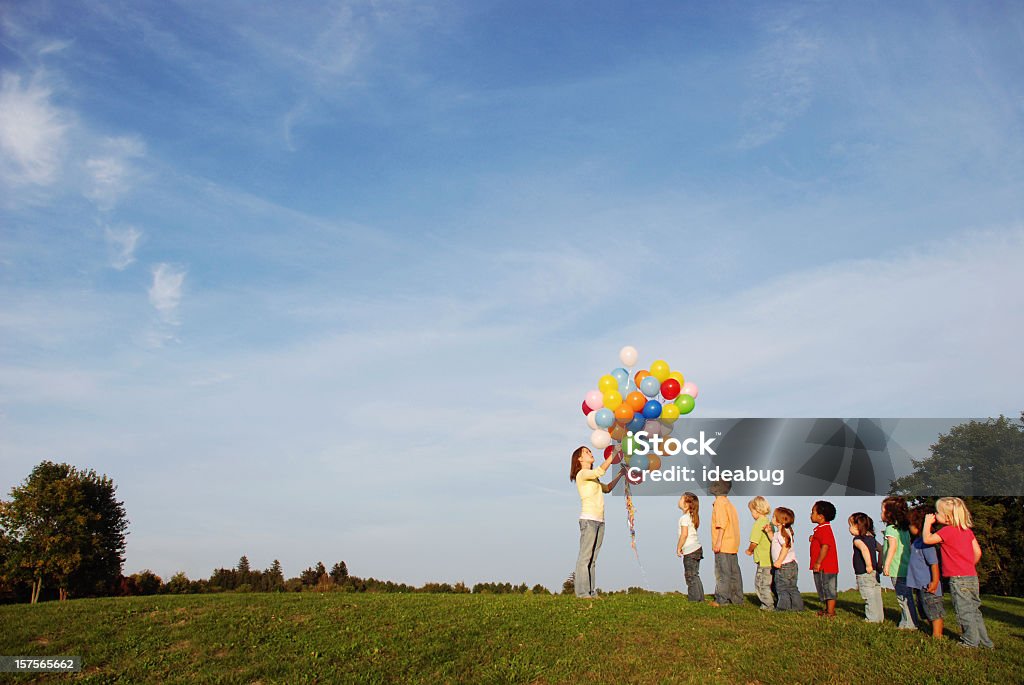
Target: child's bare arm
{"points": [[821, 558], [869, 567], [716, 547], [750, 548], [890, 554], [935, 579], [683, 532], [782, 555], [977, 550], [927, 535]]}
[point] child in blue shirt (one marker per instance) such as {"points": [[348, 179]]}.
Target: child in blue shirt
{"points": [[923, 573]]}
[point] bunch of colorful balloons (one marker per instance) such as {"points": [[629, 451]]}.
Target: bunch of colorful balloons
{"points": [[650, 400]]}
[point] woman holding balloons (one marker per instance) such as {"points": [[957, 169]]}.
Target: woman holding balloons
{"points": [[621, 405], [591, 491]]}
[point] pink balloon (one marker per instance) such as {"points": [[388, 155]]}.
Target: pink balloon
{"points": [[594, 399], [689, 389]]}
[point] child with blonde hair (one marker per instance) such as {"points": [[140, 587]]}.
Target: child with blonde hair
{"points": [[960, 555], [688, 546], [784, 554], [760, 548]]}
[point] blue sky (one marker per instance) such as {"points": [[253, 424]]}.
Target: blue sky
{"points": [[329, 281]]}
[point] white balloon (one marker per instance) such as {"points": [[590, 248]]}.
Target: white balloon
{"points": [[592, 420], [600, 439], [653, 427], [628, 355]]}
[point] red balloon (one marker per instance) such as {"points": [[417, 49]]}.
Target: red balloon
{"points": [[586, 409], [670, 389], [608, 451], [617, 454], [634, 480]]}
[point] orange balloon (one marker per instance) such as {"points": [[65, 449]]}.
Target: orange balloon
{"points": [[624, 413], [640, 375], [618, 431], [636, 401], [653, 462]]}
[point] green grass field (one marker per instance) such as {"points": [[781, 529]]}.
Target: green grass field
{"points": [[339, 637]]}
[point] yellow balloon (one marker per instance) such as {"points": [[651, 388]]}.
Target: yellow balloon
{"points": [[660, 370], [678, 376], [606, 384], [669, 413], [612, 399]]}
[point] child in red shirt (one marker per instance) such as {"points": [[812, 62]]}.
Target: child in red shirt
{"points": [[960, 556], [824, 557]]}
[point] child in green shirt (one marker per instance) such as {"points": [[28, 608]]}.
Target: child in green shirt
{"points": [[761, 549]]}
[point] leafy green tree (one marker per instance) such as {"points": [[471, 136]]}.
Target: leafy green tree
{"points": [[974, 458], [179, 584], [147, 582], [986, 457], [66, 528]]}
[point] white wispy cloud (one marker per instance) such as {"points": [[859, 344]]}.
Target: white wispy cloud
{"points": [[110, 173], [121, 243], [927, 332], [781, 81], [166, 290], [32, 131]]}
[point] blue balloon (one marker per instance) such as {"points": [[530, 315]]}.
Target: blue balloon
{"points": [[640, 461], [652, 409], [630, 388], [605, 417], [637, 424], [650, 386], [621, 375]]}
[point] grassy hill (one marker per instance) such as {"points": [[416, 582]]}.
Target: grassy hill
{"points": [[376, 638]]}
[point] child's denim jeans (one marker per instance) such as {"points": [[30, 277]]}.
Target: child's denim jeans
{"points": [[905, 601], [763, 587], [967, 604], [871, 593]]}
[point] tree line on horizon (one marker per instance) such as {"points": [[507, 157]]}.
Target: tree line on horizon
{"points": [[243, 578]]}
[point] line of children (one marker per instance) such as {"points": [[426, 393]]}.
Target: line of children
{"points": [[909, 556]]}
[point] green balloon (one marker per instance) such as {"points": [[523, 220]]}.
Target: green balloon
{"points": [[685, 403], [627, 446]]}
